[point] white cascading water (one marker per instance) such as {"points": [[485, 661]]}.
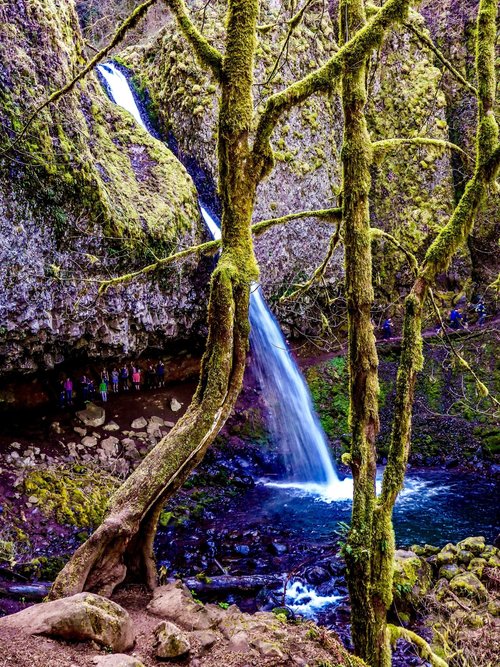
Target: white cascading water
{"points": [[293, 422]]}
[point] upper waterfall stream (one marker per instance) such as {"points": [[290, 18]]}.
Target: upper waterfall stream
{"points": [[293, 423]]}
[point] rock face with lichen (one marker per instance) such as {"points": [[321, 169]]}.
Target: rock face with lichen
{"points": [[413, 189], [84, 194]]}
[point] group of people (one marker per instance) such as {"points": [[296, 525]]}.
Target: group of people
{"points": [[459, 318], [125, 378]]}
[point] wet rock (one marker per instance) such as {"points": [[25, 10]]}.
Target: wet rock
{"points": [[447, 555], [449, 571], [80, 431], [467, 585], [92, 416], [278, 549], [138, 423], [171, 641], [81, 617], [465, 556], [242, 549], [317, 575], [111, 426], [175, 406], [169, 424], [477, 566], [89, 441], [117, 660], [412, 576]]}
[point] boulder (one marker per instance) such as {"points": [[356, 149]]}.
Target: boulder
{"points": [[156, 420], [81, 431], [171, 642], [140, 422], [92, 416], [81, 617], [412, 575], [467, 585], [449, 571], [474, 544], [117, 660], [447, 555], [110, 445], [175, 602], [175, 406], [89, 441], [477, 566], [204, 638], [239, 642]]}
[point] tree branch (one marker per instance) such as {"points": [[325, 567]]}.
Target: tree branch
{"points": [[319, 272], [423, 647], [381, 147], [412, 260], [330, 215], [412, 25], [130, 22], [206, 53], [322, 79]]}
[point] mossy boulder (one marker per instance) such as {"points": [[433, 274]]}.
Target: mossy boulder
{"points": [[475, 545], [477, 566], [447, 555], [467, 585], [412, 576], [450, 571]]}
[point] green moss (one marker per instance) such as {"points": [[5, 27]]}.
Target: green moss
{"points": [[74, 496]]}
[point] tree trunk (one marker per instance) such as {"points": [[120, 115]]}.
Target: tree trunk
{"points": [[122, 547]]}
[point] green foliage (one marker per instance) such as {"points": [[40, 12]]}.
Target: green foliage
{"points": [[328, 384]]}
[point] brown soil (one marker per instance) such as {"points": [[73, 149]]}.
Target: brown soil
{"points": [[22, 650]]}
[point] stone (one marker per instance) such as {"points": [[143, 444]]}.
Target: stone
{"points": [[175, 406], [412, 576], [81, 431], [474, 544], [477, 566], [449, 571], [110, 445], [278, 549], [467, 585], [153, 430], [81, 617], [89, 441], [140, 422], [16, 445], [465, 556], [175, 602], [268, 649], [117, 660], [317, 575], [111, 426], [169, 424], [157, 420], [239, 642], [171, 641], [56, 427], [447, 555], [205, 638], [92, 416]]}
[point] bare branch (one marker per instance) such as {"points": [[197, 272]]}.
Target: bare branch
{"points": [[206, 53], [130, 22], [385, 145], [319, 272], [422, 37], [326, 214], [379, 233]]}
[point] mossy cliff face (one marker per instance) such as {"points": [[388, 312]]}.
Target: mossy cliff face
{"points": [[84, 194], [413, 189]]}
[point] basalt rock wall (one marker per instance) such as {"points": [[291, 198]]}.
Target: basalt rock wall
{"points": [[84, 195]]}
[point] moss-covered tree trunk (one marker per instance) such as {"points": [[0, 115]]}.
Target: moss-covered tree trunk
{"points": [[371, 545], [122, 547]]}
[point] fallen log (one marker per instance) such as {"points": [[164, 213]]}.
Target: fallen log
{"points": [[224, 583], [28, 592]]}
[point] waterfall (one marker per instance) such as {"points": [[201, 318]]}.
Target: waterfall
{"points": [[293, 422]]}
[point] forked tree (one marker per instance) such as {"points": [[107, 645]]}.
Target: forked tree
{"points": [[122, 547]]}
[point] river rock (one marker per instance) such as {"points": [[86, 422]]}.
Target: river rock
{"points": [[111, 426], [169, 424], [317, 575], [81, 617], [140, 422], [117, 660], [89, 441], [474, 544], [175, 406], [92, 416], [171, 642], [449, 571], [156, 420], [467, 585], [447, 555], [477, 566], [81, 431], [110, 445]]}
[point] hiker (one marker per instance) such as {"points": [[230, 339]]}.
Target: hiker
{"points": [[160, 374], [124, 378], [136, 378], [387, 328], [90, 388], [85, 388], [103, 388], [68, 388], [455, 318], [481, 311], [105, 378], [114, 380]]}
